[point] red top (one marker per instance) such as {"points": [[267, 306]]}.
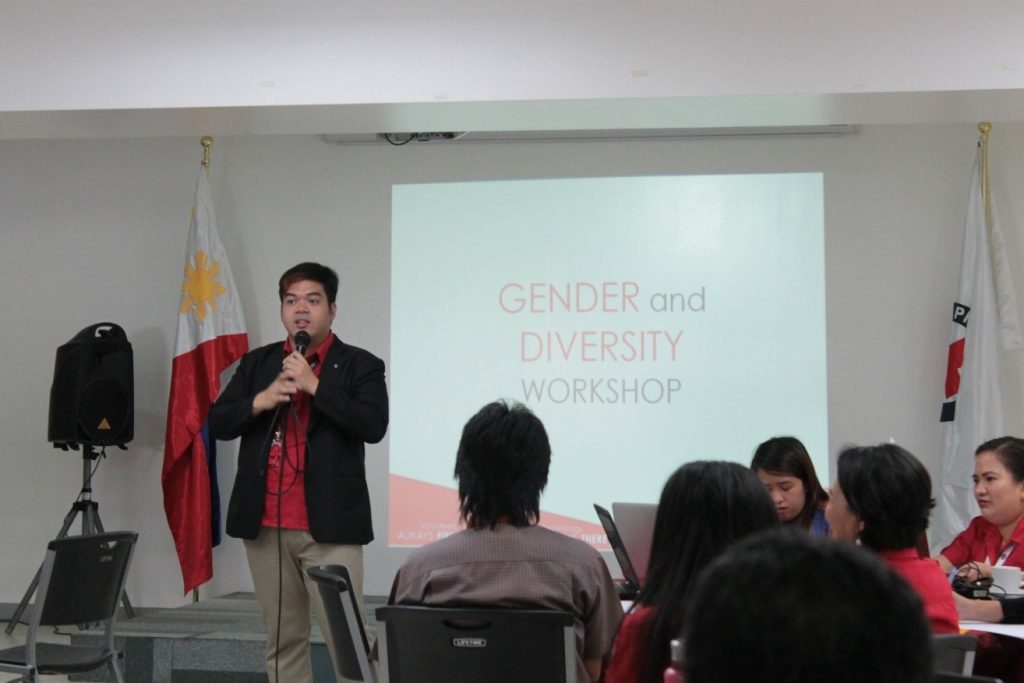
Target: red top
{"points": [[982, 542], [931, 585], [629, 647], [286, 489]]}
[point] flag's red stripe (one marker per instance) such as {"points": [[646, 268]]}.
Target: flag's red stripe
{"points": [[954, 363], [195, 383]]}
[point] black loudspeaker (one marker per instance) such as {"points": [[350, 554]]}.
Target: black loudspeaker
{"points": [[92, 396]]}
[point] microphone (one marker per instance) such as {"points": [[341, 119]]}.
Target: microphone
{"points": [[302, 341]]}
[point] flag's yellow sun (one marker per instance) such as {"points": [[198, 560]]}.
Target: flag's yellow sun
{"points": [[200, 287]]}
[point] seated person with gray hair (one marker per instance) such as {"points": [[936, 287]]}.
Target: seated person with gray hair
{"points": [[503, 558]]}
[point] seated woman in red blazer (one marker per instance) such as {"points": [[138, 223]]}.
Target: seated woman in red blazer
{"points": [[996, 537]]}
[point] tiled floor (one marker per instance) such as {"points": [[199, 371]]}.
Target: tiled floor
{"points": [[240, 622], [18, 637]]}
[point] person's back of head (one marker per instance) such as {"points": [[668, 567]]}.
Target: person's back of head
{"points": [[502, 466], [705, 506], [890, 493], [783, 607]]}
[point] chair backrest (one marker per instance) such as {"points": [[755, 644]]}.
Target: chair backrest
{"points": [[923, 550], [82, 578], [954, 652], [344, 622], [456, 645]]}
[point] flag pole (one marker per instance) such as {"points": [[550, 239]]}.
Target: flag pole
{"points": [[985, 127], [207, 142]]}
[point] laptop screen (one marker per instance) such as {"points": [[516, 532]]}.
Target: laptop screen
{"points": [[635, 524], [621, 555]]}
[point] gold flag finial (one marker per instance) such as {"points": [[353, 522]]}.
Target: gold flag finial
{"points": [[985, 127], [207, 142]]}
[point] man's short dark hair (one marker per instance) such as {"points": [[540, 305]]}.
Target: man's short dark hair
{"points": [[889, 490], [785, 607], [502, 466], [314, 272]]}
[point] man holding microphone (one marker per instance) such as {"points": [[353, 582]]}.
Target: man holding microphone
{"points": [[305, 409]]}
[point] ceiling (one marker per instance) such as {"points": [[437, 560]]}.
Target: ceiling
{"points": [[119, 68]]}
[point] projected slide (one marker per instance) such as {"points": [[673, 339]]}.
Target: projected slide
{"points": [[648, 321]]}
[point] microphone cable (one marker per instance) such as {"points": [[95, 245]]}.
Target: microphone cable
{"points": [[298, 471], [280, 552], [302, 342]]}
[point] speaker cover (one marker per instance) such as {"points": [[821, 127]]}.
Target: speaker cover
{"points": [[92, 395]]}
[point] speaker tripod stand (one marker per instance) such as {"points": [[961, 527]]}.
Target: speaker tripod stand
{"points": [[91, 524]]}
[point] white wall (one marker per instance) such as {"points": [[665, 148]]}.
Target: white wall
{"points": [[95, 231]]}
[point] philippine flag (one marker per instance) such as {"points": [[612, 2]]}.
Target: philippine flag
{"points": [[211, 336]]}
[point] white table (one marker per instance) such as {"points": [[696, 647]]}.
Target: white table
{"points": [[1014, 630]]}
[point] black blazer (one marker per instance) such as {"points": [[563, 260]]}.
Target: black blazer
{"points": [[350, 409]]}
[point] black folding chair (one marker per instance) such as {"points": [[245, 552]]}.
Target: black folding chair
{"points": [[81, 583], [351, 648], [954, 652], [455, 645]]}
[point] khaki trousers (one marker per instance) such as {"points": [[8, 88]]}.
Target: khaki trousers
{"points": [[288, 645]]}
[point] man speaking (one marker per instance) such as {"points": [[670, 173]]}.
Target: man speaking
{"points": [[305, 410]]}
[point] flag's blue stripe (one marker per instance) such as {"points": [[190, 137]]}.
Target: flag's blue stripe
{"points": [[211, 464]]}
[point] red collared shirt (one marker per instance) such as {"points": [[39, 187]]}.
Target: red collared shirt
{"points": [[931, 585], [286, 486], [982, 542]]}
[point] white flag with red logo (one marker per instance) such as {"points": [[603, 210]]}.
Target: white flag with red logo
{"points": [[985, 321]]}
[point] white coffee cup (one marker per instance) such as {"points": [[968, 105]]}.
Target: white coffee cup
{"points": [[1007, 578]]}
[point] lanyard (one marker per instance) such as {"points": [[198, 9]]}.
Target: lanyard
{"points": [[1003, 556]]}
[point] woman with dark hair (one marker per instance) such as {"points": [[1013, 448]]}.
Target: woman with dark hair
{"points": [[704, 508], [996, 537], [785, 468], [882, 497]]}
